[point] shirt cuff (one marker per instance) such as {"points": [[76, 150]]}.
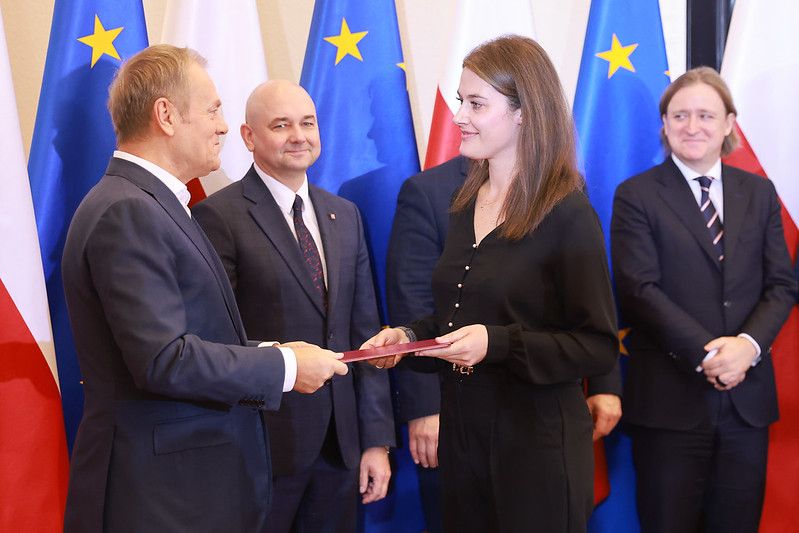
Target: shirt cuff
{"points": [[709, 355], [748, 337], [289, 363]]}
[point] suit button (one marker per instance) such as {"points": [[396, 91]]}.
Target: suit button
{"points": [[673, 355], [727, 303], [330, 336]]}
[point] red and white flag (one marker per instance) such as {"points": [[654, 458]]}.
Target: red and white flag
{"points": [[761, 66], [33, 446], [228, 35], [475, 21]]}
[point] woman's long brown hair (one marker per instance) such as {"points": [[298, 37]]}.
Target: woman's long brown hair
{"points": [[546, 171]]}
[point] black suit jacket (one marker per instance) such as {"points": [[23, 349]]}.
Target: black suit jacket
{"points": [[278, 302], [171, 437], [677, 296], [417, 241]]}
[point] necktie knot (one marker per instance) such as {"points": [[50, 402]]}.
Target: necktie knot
{"points": [[704, 182], [297, 207]]}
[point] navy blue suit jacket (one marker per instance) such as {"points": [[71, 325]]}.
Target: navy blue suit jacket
{"points": [[677, 296], [278, 302], [171, 438]]}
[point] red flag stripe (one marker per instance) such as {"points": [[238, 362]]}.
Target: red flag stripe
{"points": [[196, 190], [783, 464], [445, 138], [31, 431]]}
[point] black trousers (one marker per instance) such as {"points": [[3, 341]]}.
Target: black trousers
{"points": [[514, 457], [709, 479]]}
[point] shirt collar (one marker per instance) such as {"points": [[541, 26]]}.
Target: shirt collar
{"points": [[177, 187], [283, 195], [690, 174]]}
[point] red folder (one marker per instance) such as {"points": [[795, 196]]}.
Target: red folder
{"points": [[392, 349]]}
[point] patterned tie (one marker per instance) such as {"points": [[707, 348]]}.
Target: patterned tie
{"points": [[712, 220], [309, 251]]}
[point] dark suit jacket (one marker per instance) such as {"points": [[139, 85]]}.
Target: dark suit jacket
{"points": [[676, 295], [278, 302], [171, 438], [417, 240]]}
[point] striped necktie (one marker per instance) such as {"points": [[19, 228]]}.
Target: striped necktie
{"points": [[712, 220]]}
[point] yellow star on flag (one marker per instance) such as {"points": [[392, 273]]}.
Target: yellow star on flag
{"points": [[622, 334], [346, 42], [402, 66], [102, 41], [618, 56]]}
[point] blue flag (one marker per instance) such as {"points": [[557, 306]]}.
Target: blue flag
{"points": [[623, 72], [354, 71], [72, 142]]}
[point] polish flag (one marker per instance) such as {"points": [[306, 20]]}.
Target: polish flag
{"points": [[228, 35], [475, 21], [761, 66], [33, 446]]}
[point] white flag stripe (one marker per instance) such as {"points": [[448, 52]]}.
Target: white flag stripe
{"points": [[478, 21], [228, 35], [761, 66], [20, 260]]}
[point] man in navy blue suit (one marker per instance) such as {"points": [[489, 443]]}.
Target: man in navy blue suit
{"points": [[171, 437], [297, 259], [417, 240]]}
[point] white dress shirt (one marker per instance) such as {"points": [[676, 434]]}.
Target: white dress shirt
{"points": [[172, 183], [284, 197], [716, 184]]}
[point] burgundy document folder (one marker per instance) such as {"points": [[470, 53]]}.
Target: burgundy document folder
{"points": [[393, 349]]}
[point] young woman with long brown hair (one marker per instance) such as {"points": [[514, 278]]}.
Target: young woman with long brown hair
{"points": [[523, 295]]}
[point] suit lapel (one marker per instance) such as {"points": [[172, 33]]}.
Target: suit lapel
{"points": [[268, 217], [676, 193], [169, 202], [736, 201], [326, 218]]}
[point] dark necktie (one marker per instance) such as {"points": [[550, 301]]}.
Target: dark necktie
{"points": [[712, 220], [309, 251]]}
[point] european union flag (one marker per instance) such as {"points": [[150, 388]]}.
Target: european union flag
{"points": [[623, 72], [72, 142], [354, 71]]}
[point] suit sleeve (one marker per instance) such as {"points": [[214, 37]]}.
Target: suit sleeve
{"points": [[134, 260], [610, 383], [637, 273], [414, 249], [588, 344], [779, 283], [372, 388]]}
